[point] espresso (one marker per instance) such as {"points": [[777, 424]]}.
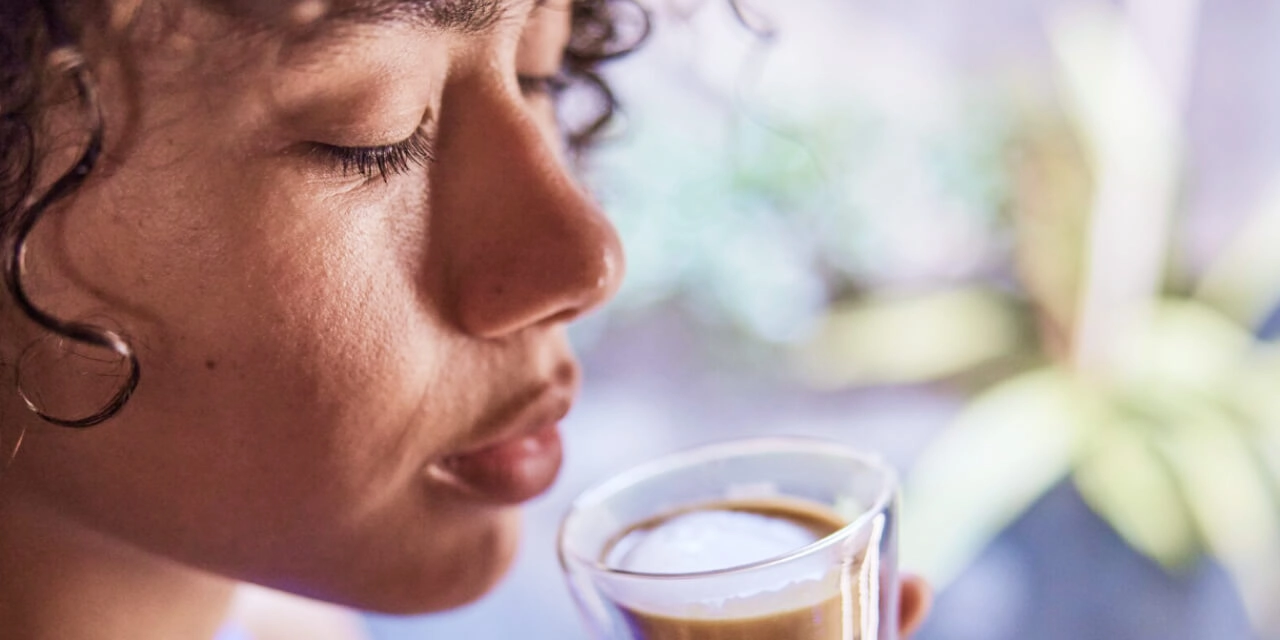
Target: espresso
{"points": [[794, 602]]}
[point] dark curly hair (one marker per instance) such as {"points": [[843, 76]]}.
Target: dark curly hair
{"points": [[38, 46]]}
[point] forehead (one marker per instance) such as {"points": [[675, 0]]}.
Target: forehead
{"points": [[310, 29], [306, 34]]}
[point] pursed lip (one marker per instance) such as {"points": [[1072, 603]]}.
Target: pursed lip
{"points": [[545, 405], [517, 453]]}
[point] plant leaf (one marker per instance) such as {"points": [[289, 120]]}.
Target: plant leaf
{"points": [[1186, 347], [910, 338], [1126, 482], [1244, 280], [1231, 499], [1256, 394], [1008, 447]]}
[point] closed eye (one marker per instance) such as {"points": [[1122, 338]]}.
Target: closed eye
{"points": [[551, 85], [381, 161]]}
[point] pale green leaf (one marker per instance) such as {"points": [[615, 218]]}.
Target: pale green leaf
{"points": [[1245, 279], [1268, 441], [1050, 206], [1186, 346], [1129, 122], [1126, 482], [1004, 451], [1232, 502], [1256, 395], [910, 338]]}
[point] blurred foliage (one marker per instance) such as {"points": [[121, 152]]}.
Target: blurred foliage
{"points": [[1016, 248], [756, 210], [1154, 403]]}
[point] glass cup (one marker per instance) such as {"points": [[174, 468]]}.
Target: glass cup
{"points": [[843, 586]]}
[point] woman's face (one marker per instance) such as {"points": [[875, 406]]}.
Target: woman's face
{"points": [[353, 356]]}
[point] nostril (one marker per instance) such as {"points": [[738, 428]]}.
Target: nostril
{"points": [[567, 373], [564, 316]]}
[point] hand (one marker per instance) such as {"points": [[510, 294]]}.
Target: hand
{"points": [[914, 600]]}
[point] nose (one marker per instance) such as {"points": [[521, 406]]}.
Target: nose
{"points": [[524, 245]]}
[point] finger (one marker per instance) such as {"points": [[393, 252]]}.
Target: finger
{"points": [[914, 602]]}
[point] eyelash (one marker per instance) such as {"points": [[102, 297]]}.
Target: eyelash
{"points": [[552, 85], [384, 161]]}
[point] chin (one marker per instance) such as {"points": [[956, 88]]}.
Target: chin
{"points": [[454, 576]]}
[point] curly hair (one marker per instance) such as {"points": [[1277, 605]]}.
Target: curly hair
{"points": [[36, 39]]}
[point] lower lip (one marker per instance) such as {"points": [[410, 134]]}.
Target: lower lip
{"points": [[509, 472]]}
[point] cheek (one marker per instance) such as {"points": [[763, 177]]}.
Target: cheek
{"points": [[290, 353], [311, 323]]}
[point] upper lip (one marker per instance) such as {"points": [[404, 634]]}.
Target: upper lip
{"points": [[538, 406]]}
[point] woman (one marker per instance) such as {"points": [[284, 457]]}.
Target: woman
{"points": [[310, 299]]}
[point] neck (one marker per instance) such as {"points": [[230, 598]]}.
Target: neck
{"points": [[59, 579]]}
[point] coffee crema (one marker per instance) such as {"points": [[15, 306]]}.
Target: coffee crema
{"points": [[802, 599]]}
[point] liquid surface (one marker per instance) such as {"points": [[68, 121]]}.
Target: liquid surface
{"points": [[709, 540], [805, 604]]}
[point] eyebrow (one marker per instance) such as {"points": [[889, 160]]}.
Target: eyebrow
{"points": [[461, 16]]}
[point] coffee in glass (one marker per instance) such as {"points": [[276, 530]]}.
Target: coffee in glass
{"points": [[757, 540]]}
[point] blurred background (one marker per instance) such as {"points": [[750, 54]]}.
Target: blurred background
{"points": [[1029, 250]]}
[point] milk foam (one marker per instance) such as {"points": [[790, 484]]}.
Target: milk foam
{"points": [[707, 541], [717, 544]]}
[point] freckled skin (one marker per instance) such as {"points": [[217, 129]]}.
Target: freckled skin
{"points": [[310, 341]]}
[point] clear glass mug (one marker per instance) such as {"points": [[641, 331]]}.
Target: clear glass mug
{"points": [[843, 586]]}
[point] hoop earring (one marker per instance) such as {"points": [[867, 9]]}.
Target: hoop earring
{"points": [[31, 395]]}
